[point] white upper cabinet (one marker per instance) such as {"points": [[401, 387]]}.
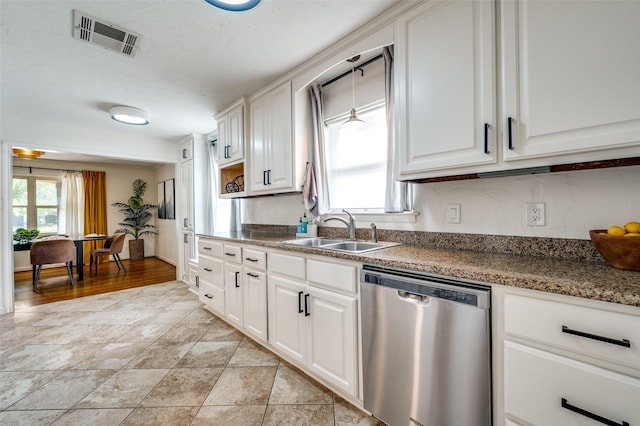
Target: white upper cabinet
{"points": [[271, 142], [231, 133], [445, 96], [571, 79]]}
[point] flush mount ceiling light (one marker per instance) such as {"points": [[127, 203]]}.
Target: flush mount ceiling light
{"points": [[27, 154], [129, 115], [234, 5], [353, 122]]}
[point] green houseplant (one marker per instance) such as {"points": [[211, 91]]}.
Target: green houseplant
{"points": [[137, 215]]}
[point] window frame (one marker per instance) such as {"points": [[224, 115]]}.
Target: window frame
{"points": [[32, 206]]}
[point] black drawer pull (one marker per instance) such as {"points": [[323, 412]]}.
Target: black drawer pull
{"points": [[230, 254], [206, 248], [237, 285], [208, 269], [208, 296], [486, 138], [253, 275], [591, 415], [300, 293], [622, 342], [509, 121], [251, 259], [264, 177], [306, 305]]}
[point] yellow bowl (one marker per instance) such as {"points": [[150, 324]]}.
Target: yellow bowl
{"points": [[620, 252]]}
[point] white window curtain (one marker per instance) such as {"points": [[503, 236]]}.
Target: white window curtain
{"points": [[71, 221], [399, 196]]}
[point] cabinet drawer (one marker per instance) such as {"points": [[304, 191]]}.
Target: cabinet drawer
{"points": [[210, 271], [232, 253], [284, 264], [212, 296], [333, 276], [537, 383], [210, 247], [255, 258], [544, 322]]}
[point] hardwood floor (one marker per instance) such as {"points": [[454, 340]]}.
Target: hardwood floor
{"points": [[54, 282]]}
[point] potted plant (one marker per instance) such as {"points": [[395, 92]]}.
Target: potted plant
{"points": [[137, 215]]}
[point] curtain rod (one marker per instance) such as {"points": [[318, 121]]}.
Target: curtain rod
{"points": [[46, 168], [346, 73]]}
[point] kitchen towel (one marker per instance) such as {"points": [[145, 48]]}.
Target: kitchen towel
{"points": [[310, 191]]}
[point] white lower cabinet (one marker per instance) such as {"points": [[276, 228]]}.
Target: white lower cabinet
{"points": [[233, 290], [255, 303], [314, 326], [210, 275], [565, 360]]}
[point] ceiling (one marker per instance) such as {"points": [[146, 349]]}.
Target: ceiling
{"points": [[192, 59]]}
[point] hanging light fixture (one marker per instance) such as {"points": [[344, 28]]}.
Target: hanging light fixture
{"points": [[234, 5], [129, 115], [353, 122], [27, 154]]}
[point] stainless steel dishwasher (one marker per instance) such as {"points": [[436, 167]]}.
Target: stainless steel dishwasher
{"points": [[426, 349]]}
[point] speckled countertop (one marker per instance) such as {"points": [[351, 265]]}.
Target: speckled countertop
{"points": [[588, 279]]}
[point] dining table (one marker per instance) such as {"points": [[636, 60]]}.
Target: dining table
{"points": [[78, 241]]}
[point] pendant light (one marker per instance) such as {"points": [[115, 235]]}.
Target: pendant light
{"points": [[353, 122]]}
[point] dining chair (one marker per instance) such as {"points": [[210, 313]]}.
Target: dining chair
{"points": [[44, 252], [111, 247]]}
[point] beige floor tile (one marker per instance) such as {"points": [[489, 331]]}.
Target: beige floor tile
{"points": [[163, 416], [63, 357], [299, 415], [221, 332], [161, 355], [242, 386], [13, 358], [111, 356], [16, 384], [293, 387], [346, 414], [64, 391], [183, 387], [208, 354], [18, 335], [230, 415], [93, 417], [201, 316], [251, 354], [144, 333], [126, 388], [29, 418], [185, 332]]}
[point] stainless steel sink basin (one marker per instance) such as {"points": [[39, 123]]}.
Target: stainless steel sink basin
{"points": [[349, 246]]}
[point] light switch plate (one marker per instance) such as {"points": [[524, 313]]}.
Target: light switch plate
{"points": [[453, 213]]}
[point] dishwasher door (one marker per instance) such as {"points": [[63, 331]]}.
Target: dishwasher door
{"points": [[426, 350]]}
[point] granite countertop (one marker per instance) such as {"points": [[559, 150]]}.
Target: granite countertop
{"points": [[592, 280]]}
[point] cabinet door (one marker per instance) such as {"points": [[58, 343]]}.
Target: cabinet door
{"points": [[286, 316], [231, 135], [186, 195], [280, 152], [233, 292], [571, 77], [444, 57], [188, 253], [332, 338], [255, 303], [259, 145]]}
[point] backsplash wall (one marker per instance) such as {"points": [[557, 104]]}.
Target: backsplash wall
{"points": [[575, 202]]}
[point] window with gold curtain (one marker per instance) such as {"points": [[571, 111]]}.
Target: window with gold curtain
{"points": [[95, 205]]}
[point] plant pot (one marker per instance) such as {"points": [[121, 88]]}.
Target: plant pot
{"points": [[136, 250]]}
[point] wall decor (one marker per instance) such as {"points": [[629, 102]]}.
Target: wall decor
{"points": [[162, 206], [166, 199]]}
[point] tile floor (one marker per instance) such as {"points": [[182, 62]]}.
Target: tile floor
{"points": [[150, 356]]}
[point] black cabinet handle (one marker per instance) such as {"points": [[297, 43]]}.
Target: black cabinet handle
{"points": [[300, 301], [253, 275], [230, 254], [509, 121], [622, 342], [208, 296], [185, 238], [269, 177], [184, 153], [197, 281], [251, 259], [486, 138], [185, 222], [306, 305], [206, 248], [264, 177], [591, 415], [237, 285], [226, 151], [208, 269]]}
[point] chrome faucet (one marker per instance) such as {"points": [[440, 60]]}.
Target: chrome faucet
{"points": [[351, 225], [374, 233]]}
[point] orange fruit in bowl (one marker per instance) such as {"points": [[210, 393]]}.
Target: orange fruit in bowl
{"points": [[616, 231], [633, 227]]}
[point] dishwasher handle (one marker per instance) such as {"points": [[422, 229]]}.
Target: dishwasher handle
{"points": [[413, 296]]}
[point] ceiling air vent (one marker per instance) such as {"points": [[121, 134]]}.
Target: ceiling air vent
{"points": [[104, 34]]}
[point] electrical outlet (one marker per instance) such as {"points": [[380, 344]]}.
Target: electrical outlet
{"points": [[453, 213], [535, 214]]}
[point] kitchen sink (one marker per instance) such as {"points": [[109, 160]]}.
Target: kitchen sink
{"points": [[349, 246]]}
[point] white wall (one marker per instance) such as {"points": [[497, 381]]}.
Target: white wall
{"points": [[575, 202], [119, 181]]}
